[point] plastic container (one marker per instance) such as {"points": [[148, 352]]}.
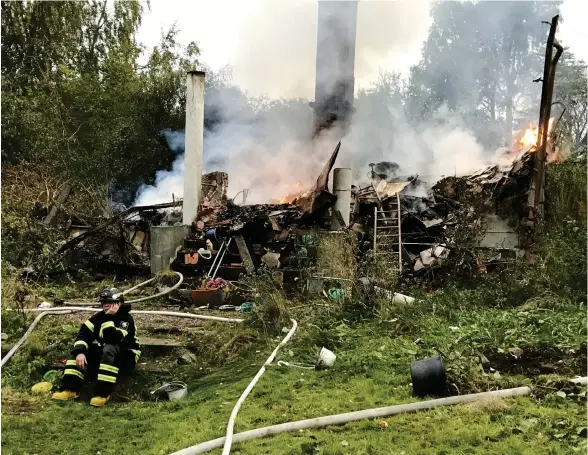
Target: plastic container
{"points": [[326, 359], [247, 307], [428, 377], [336, 293], [401, 298], [175, 390]]}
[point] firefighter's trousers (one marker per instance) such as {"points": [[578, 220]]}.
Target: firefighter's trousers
{"points": [[104, 363]]}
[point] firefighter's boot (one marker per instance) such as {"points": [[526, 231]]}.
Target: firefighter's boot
{"points": [[65, 395]]}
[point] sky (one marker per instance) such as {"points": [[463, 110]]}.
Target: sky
{"points": [[252, 37]]}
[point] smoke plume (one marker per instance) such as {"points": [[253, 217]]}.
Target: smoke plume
{"points": [[264, 144]]}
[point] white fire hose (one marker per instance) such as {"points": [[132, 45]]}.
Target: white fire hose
{"points": [[340, 419], [142, 299], [29, 331], [71, 309], [154, 312], [228, 439], [66, 310]]}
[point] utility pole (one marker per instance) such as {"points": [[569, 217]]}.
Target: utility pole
{"points": [[535, 199]]}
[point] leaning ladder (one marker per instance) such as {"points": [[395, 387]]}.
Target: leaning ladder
{"points": [[387, 233]]}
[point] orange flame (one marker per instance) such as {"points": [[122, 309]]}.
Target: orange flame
{"points": [[526, 142], [294, 194], [530, 136]]}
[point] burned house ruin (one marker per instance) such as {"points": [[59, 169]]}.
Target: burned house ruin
{"points": [[414, 226]]}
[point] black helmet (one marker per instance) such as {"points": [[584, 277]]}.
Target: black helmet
{"points": [[111, 295]]}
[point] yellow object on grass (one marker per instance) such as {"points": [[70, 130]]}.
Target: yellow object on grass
{"points": [[42, 387]]}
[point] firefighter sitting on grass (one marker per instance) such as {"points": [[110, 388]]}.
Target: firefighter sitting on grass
{"points": [[106, 345]]}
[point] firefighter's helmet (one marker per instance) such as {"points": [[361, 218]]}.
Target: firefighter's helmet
{"points": [[111, 295]]}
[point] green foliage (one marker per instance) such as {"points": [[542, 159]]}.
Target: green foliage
{"points": [[571, 94], [563, 245], [80, 104]]}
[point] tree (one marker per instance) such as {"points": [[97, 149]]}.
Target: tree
{"points": [[74, 98], [479, 60], [570, 93]]}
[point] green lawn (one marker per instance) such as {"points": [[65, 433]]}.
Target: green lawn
{"points": [[372, 370]]}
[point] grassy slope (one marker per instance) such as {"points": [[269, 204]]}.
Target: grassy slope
{"points": [[371, 371]]}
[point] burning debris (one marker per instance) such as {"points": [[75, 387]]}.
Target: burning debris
{"points": [[423, 225]]}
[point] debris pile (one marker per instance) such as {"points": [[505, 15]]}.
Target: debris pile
{"points": [[425, 224], [484, 213]]}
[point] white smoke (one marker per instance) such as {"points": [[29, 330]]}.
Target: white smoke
{"points": [[278, 51], [168, 185], [264, 145]]}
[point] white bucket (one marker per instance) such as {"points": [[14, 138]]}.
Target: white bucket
{"points": [[401, 298], [175, 390], [326, 359], [177, 394]]}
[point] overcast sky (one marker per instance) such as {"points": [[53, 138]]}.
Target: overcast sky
{"points": [[271, 44]]}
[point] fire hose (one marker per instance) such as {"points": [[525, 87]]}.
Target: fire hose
{"points": [[340, 419], [228, 440], [71, 309], [45, 312], [142, 299], [29, 331]]}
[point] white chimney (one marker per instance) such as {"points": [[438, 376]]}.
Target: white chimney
{"points": [[342, 179], [194, 137]]}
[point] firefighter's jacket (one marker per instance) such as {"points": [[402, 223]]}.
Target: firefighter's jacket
{"points": [[105, 328]]}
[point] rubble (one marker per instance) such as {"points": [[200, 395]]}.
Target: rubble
{"points": [[483, 211], [214, 189], [319, 197], [470, 221]]}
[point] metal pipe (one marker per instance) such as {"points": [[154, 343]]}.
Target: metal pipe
{"points": [[193, 146], [375, 226], [399, 234]]}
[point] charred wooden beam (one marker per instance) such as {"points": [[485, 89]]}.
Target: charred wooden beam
{"points": [[244, 253], [319, 197], [118, 217], [63, 195]]}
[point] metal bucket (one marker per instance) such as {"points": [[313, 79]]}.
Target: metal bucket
{"points": [[428, 377], [175, 390]]}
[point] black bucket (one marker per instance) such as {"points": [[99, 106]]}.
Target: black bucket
{"points": [[428, 377]]}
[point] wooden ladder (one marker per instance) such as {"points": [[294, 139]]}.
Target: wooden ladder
{"points": [[387, 232]]}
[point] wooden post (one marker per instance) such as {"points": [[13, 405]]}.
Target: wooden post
{"points": [[244, 253], [544, 114], [63, 195]]}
